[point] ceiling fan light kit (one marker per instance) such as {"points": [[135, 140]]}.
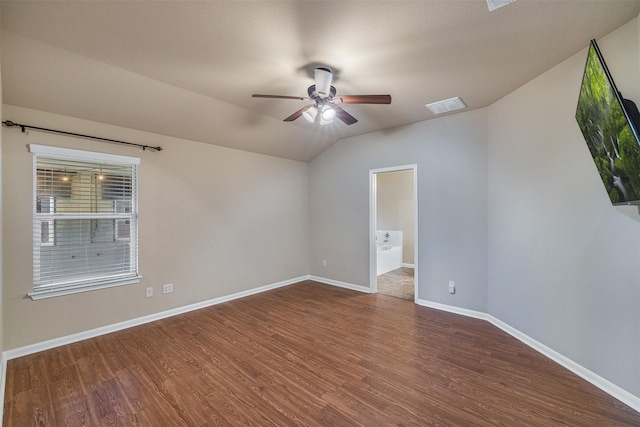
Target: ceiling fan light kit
{"points": [[327, 115], [310, 114], [325, 109]]}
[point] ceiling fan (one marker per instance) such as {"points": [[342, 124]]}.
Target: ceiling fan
{"points": [[325, 102]]}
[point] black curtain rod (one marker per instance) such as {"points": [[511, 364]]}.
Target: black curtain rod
{"points": [[9, 123]]}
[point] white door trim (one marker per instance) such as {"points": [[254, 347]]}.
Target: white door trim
{"points": [[373, 220]]}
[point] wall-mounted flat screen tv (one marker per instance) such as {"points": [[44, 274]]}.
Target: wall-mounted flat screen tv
{"points": [[608, 123]]}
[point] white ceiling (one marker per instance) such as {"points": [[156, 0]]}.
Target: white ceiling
{"points": [[188, 68]]}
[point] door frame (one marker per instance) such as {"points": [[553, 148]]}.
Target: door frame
{"points": [[373, 220]]}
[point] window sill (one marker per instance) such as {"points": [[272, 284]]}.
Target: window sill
{"points": [[69, 290]]}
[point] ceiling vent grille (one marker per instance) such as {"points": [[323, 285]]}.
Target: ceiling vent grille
{"points": [[446, 106], [495, 4]]}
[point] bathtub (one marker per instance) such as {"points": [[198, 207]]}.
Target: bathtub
{"points": [[389, 258]]}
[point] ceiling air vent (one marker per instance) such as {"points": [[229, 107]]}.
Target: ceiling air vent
{"points": [[446, 106], [495, 4]]}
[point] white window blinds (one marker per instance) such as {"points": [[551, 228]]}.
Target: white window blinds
{"points": [[85, 215]]}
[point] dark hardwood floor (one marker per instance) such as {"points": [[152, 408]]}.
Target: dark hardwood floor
{"points": [[306, 354]]}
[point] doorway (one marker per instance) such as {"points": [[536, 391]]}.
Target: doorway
{"points": [[393, 218]]}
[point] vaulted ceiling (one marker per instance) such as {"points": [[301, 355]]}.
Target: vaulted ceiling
{"points": [[188, 68]]}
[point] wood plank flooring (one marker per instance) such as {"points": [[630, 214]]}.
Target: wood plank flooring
{"points": [[310, 355]]}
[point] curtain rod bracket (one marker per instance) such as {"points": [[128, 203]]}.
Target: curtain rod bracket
{"points": [[9, 123]]}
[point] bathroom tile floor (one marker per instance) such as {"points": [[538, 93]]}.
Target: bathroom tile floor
{"points": [[397, 283]]}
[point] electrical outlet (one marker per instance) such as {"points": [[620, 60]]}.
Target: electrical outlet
{"points": [[324, 262], [148, 292], [452, 287], [168, 288]]}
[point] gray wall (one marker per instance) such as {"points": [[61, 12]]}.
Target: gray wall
{"points": [[511, 207], [451, 154], [563, 263]]}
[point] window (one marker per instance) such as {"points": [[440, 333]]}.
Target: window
{"points": [[46, 205], [85, 217]]}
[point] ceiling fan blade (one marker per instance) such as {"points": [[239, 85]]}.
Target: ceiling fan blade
{"points": [[301, 98], [363, 99], [347, 118], [298, 113]]}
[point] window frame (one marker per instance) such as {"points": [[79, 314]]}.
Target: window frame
{"points": [[97, 281]]}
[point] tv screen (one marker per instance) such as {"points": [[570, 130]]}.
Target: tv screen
{"points": [[609, 131]]}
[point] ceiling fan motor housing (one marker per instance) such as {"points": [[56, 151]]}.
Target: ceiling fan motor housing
{"points": [[316, 96], [323, 78]]}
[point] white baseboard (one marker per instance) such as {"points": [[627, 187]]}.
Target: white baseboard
{"points": [[346, 285], [56, 342], [405, 265], [454, 309], [605, 385], [69, 339]]}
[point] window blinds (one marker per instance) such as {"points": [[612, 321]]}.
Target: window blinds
{"points": [[84, 221]]}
